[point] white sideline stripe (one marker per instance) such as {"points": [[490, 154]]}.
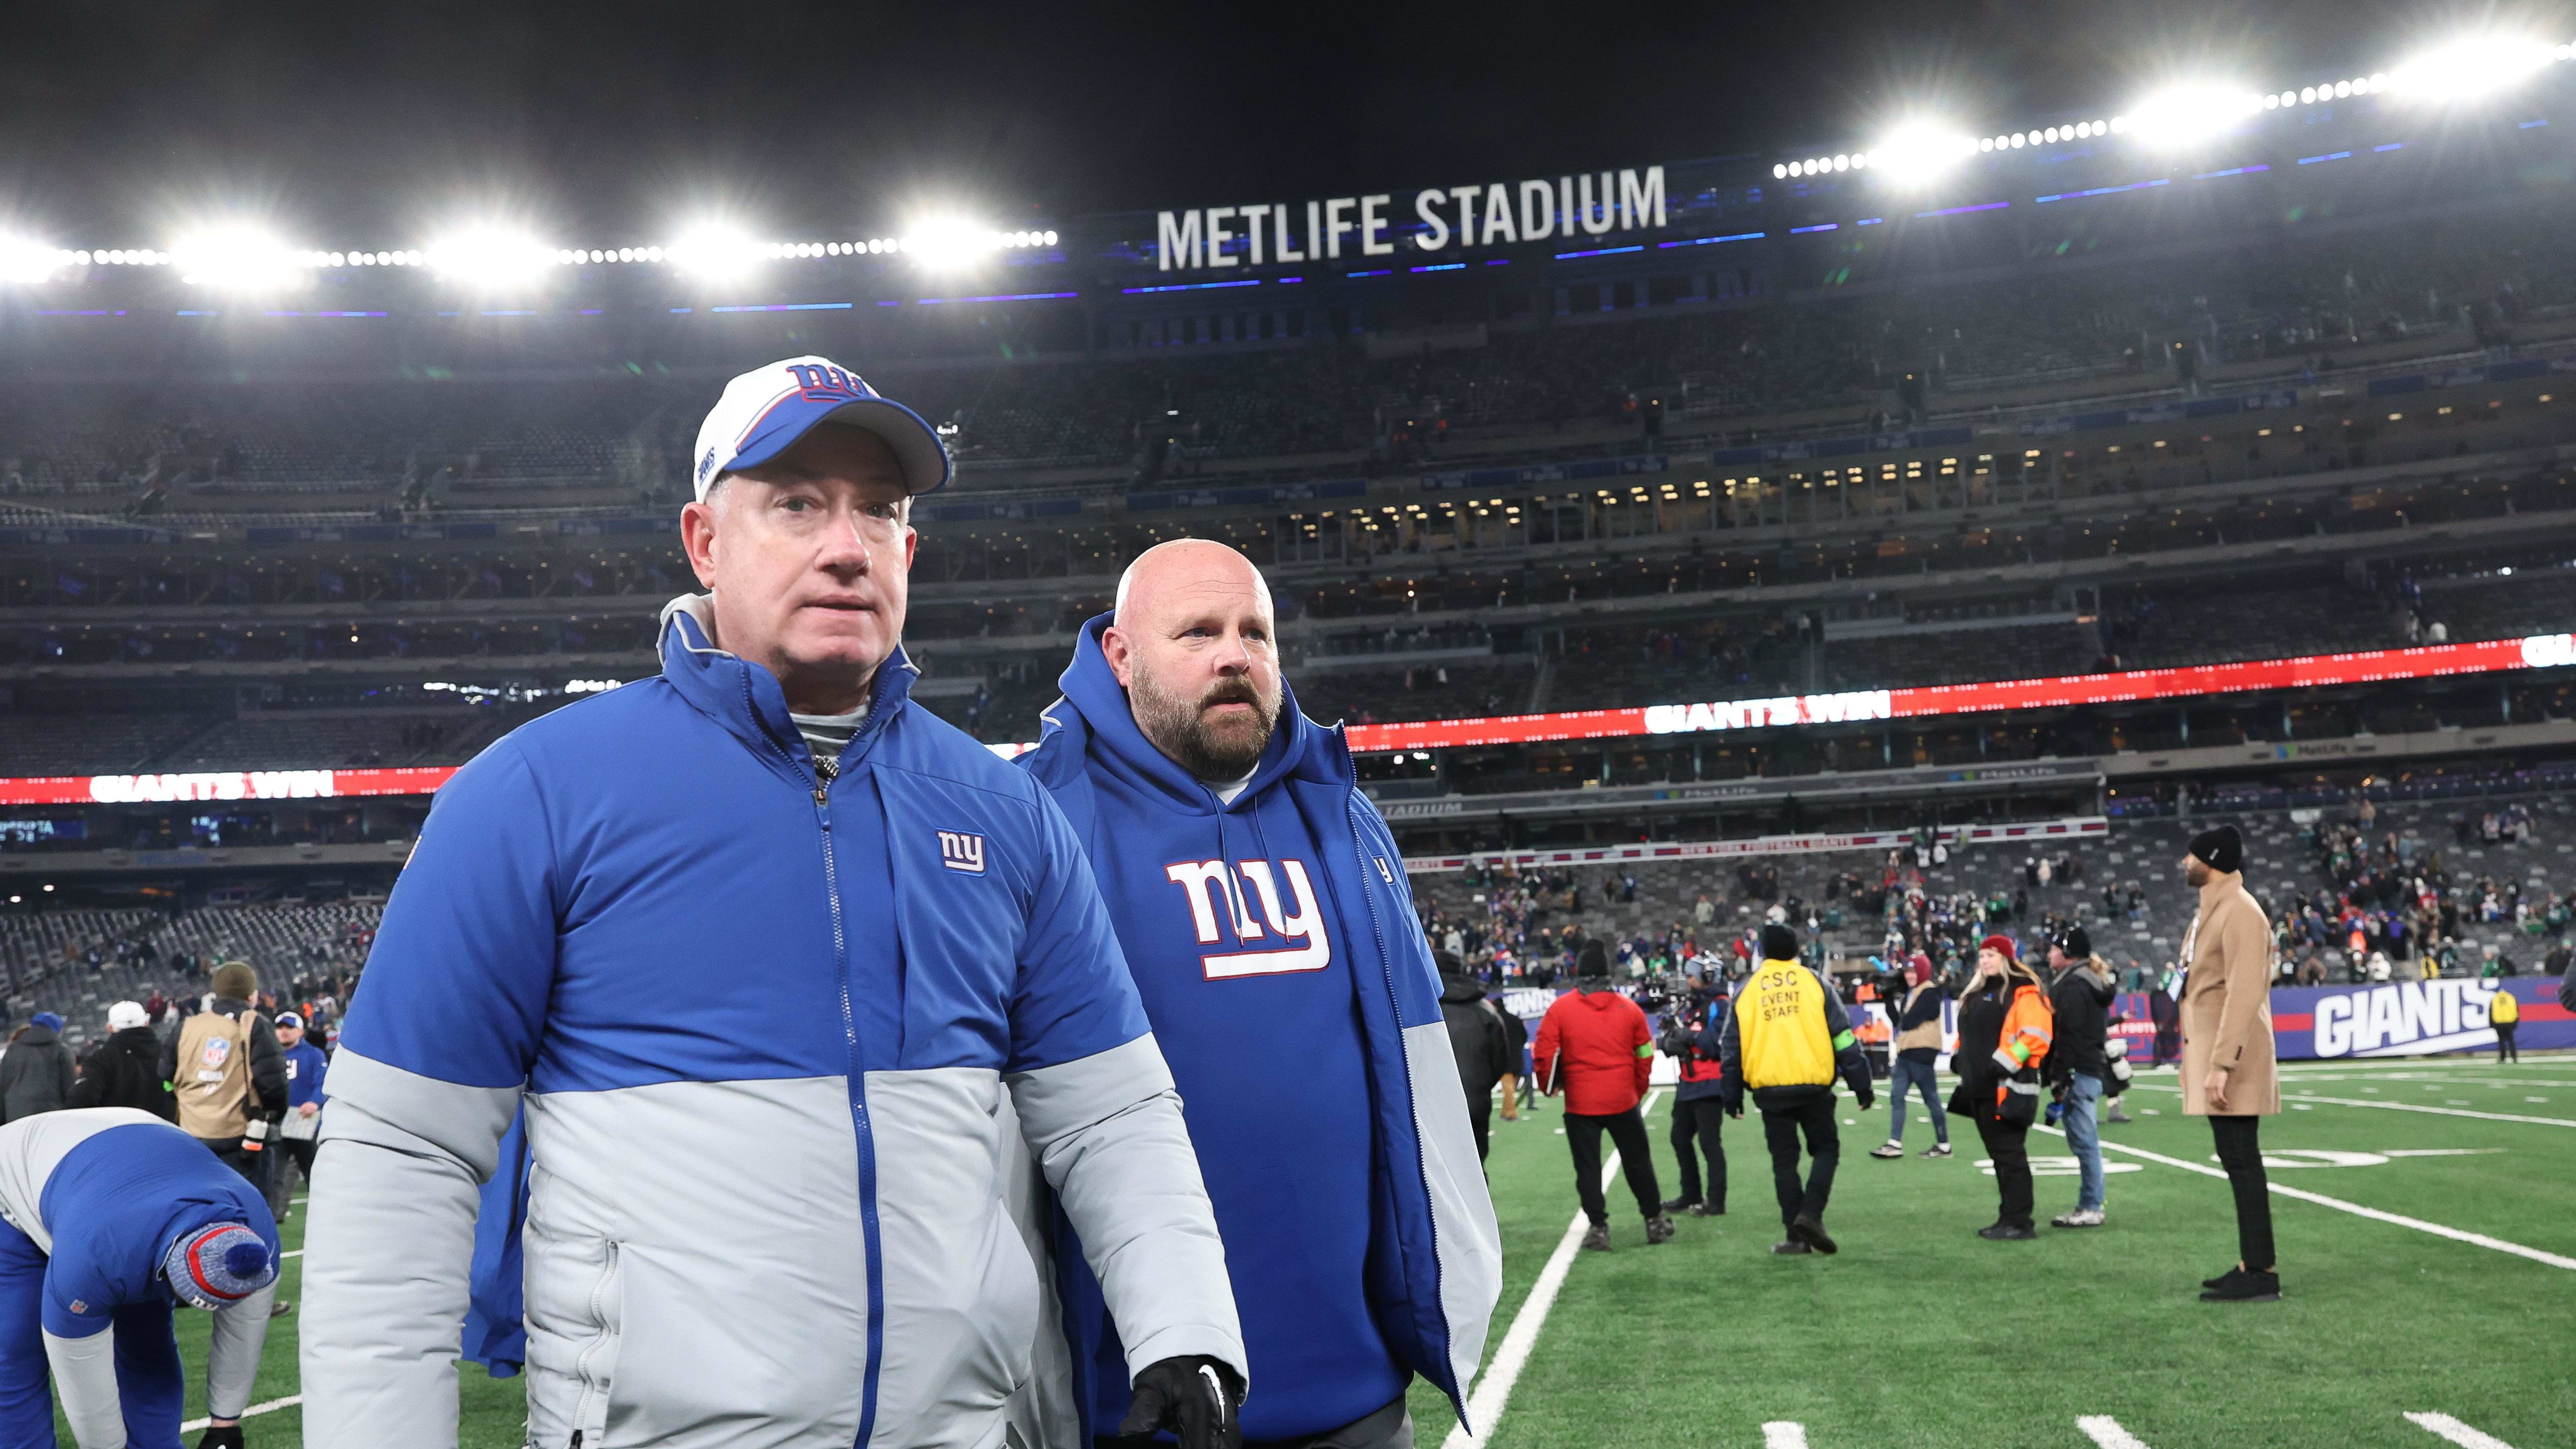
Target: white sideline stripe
{"points": [[292, 1253], [2457, 1432], [291, 1400], [1784, 1434], [2104, 1430], [2413, 1107], [1494, 1390], [2338, 1204]]}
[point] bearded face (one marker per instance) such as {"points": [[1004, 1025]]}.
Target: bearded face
{"points": [[1215, 733]]}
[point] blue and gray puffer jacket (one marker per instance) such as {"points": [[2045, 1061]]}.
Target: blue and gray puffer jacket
{"points": [[762, 1017]]}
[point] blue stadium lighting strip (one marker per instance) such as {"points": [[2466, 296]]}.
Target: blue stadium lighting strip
{"points": [[1494, 262], [2391, 146], [1379, 272], [1821, 226], [787, 307], [2329, 156], [1710, 241], [1595, 252], [2527, 125], [78, 312], [2105, 191], [1442, 267], [1871, 221], [998, 297], [1197, 286], [1964, 210], [2231, 171], [364, 314]]}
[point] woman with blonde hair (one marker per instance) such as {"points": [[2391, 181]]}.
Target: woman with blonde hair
{"points": [[2005, 1030]]}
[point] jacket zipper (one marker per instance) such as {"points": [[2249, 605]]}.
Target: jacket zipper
{"points": [[826, 771], [581, 1365], [1386, 966]]}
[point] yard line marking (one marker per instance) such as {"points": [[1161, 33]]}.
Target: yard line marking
{"points": [[291, 1400], [292, 1253], [1784, 1434], [2338, 1204], [1494, 1390], [2457, 1432], [2104, 1430], [2410, 1107]]}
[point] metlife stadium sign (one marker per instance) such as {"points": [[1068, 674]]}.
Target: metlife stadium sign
{"points": [[1440, 219]]}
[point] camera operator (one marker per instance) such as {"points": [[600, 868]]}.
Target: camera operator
{"points": [[1692, 1032]]}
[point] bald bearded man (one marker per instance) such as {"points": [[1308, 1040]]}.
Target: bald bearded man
{"points": [[1266, 919]]}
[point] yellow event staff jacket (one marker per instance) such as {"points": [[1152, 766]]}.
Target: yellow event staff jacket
{"points": [[1786, 1039]]}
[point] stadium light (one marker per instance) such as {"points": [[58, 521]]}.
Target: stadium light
{"points": [[242, 258], [708, 251], [944, 242], [28, 261], [1918, 153], [2188, 113], [490, 257], [2472, 67]]}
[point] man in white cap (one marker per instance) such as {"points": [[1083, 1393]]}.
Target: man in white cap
{"points": [[110, 1219], [761, 897], [125, 1069]]}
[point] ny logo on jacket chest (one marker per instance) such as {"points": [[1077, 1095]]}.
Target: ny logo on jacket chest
{"points": [[1294, 918]]}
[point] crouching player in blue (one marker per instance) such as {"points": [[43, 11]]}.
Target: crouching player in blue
{"points": [[1266, 920], [114, 1219]]}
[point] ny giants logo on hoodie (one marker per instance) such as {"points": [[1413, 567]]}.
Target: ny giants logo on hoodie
{"points": [[1213, 887]]}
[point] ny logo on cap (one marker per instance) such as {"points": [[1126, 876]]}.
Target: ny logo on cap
{"points": [[706, 465], [827, 383]]}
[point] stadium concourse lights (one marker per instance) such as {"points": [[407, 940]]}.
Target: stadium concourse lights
{"points": [[242, 259], [491, 256], [29, 261]]}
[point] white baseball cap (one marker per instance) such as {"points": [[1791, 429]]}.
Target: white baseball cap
{"points": [[767, 409], [126, 1014]]}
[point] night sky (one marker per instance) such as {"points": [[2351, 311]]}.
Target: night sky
{"points": [[357, 124]]}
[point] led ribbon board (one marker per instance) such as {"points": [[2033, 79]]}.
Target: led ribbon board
{"points": [[2540, 651]]}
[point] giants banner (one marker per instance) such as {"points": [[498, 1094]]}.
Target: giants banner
{"points": [[2392, 1019], [2540, 651]]}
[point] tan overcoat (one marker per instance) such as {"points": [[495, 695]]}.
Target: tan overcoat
{"points": [[2227, 1002]]}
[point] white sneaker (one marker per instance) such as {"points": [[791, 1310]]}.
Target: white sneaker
{"points": [[2081, 1218], [1888, 1149]]}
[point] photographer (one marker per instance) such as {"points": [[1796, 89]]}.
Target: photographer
{"points": [[1692, 1037]]}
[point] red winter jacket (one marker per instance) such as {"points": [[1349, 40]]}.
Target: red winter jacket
{"points": [[1594, 1047]]}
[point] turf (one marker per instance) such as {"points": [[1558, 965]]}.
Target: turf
{"points": [[1921, 1334]]}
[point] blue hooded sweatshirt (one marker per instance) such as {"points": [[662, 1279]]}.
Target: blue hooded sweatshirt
{"points": [[1274, 942]]}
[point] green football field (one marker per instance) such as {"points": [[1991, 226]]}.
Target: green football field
{"points": [[2430, 1269]]}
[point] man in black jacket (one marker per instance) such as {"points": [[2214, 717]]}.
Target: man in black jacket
{"points": [[124, 1071], [36, 1074], [2080, 994], [1480, 1042]]}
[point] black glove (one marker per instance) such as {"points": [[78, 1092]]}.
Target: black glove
{"points": [[223, 1436], [1867, 1097], [1195, 1397]]}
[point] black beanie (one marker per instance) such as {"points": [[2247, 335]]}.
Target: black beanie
{"points": [[1448, 964], [2221, 849], [1779, 943], [1592, 960], [2076, 944]]}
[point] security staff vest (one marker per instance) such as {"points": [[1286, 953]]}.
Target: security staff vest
{"points": [[1780, 1025]]}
